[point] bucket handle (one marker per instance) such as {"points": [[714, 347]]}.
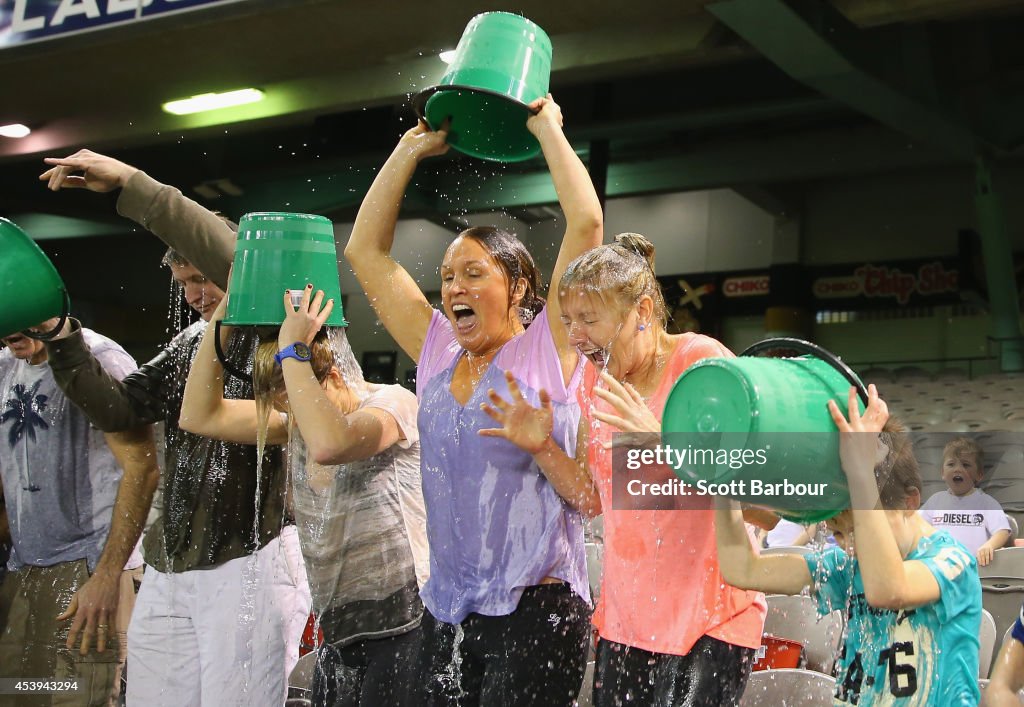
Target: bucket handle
{"points": [[46, 336], [222, 357], [806, 347]]}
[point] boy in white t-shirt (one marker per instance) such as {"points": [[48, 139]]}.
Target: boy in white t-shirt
{"points": [[970, 515]]}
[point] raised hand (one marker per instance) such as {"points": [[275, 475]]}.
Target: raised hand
{"points": [[301, 323], [523, 425], [86, 170], [631, 411], [858, 434], [422, 142], [544, 112]]}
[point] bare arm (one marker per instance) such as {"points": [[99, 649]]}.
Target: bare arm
{"points": [[1007, 677], [584, 221], [742, 567], [529, 428], [331, 436], [890, 582], [204, 409], [395, 296], [94, 605]]}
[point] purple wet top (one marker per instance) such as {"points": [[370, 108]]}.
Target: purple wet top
{"points": [[495, 524]]}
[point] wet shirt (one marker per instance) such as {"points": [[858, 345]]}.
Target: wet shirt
{"points": [[662, 589], [922, 656], [362, 529], [60, 478], [221, 500], [496, 526], [971, 519]]}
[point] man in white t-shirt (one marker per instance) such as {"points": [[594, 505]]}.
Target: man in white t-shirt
{"points": [[969, 514]]}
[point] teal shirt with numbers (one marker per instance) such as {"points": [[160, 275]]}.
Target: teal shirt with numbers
{"points": [[922, 656]]}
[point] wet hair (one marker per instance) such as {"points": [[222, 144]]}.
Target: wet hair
{"points": [[267, 376], [960, 446], [623, 269], [516, 262], [898, 475], [173, 257]]}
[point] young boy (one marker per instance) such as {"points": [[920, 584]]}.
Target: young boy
{"points": [[966, 512], [911, 593]]}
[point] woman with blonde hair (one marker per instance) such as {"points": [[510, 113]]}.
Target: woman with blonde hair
{"points": [[670, 630], [355, 487]]}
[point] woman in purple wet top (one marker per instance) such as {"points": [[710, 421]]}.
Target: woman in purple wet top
{"points": [[507, 600]]}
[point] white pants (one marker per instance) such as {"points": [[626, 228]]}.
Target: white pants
{"points": [[228, 635]]}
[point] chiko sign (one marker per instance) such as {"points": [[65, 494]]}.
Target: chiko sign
{"points": [[34, 20], [882, 281]]}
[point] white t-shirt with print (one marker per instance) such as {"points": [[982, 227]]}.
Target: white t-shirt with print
{"points": [[970, 519]]}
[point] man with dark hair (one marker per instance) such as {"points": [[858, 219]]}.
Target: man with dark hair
{"points": [[224, 598], [69, 550]]}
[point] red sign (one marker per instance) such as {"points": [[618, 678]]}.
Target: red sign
{"points": [[878, 281], [746, 286]]}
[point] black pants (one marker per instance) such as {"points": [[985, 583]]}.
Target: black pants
{"points": [[532, 657], [377, 672], [712, 674]]}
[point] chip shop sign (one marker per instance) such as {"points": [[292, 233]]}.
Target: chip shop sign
{"points": [[929, 280], [34, 20]]}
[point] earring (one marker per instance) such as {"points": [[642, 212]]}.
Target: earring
{"points": [[642, 326]]}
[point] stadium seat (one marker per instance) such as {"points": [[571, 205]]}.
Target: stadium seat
{"points": [[789, 687], [1006, 562], [1002, 597], [987, 641], [796, 618]]}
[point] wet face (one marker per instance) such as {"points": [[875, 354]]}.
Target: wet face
{"points": [[25, 348], [842, 530], [474, 293], [600, 331], [200, 294], [960, 472]]}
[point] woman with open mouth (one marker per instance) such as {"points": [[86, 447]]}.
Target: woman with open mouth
{"points": [[507, 602], [671, 632]]}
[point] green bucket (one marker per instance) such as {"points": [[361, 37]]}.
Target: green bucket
{"points": [[34, 292], [775, 409], [277, 252], [502, 63]]}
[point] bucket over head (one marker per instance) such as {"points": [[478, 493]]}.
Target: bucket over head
{"points": [[502, 63], [770, 416], [277, 252], [33, 291]]}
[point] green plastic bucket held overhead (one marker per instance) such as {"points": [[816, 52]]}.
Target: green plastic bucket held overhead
{"points": [[275, 252], [777, 404], [33, 291], [502, 63]]}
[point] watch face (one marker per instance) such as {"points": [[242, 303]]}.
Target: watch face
{"points": [[302, 351]]}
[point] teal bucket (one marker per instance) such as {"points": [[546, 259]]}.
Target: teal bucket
{"points": [[277, 252], [775, 411], [502, 63], [34, 291]]}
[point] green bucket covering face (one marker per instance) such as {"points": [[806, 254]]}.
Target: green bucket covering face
{"points": [[277, 252], [776, 405], [33, 291], [502, 63]]}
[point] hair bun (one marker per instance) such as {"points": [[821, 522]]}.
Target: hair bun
{"points": [[636, 243]]}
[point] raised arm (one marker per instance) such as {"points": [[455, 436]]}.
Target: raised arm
{"points": [[584, 222], [330, 435], [395, 296], [890, 582], [94, 605], [201, 236], [204, 409], [743, 568], [1007, 675], [112, 405], [529, 428]]}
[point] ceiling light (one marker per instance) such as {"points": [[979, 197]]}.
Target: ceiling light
{"points": [[447, 56], [213, 101], [14, 130]]}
